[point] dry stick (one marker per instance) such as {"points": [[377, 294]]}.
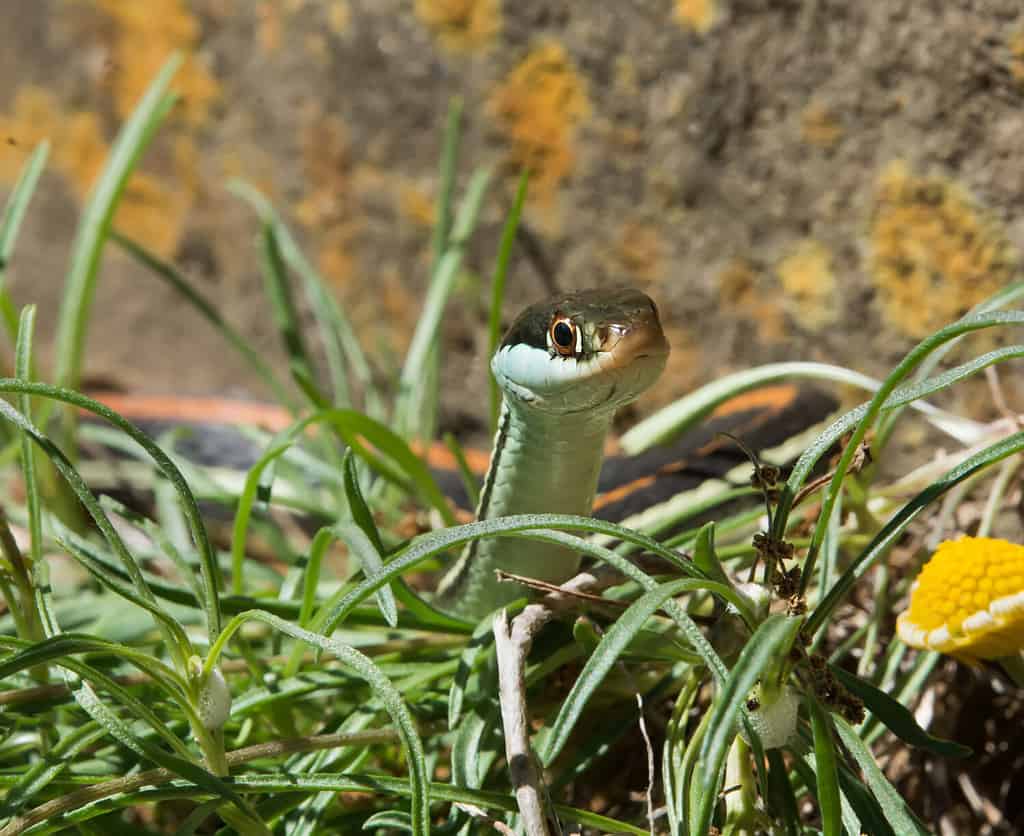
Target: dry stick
{"points": [[481, 815], [155, 777], [513, 646]]}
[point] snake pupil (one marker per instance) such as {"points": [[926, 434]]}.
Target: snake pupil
{"points": [[563, 336]]}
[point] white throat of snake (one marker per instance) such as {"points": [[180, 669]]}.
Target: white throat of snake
{"points": [[565, 366]]}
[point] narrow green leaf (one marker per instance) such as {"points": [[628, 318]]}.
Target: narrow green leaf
{"points": [[131, 142], [382, 688], [770, 641], [279, 294], [10, 223], [826, 771], [208, 565], [899, 521], [508, 240], [895, 808], [363, 539], [411, 396], [615, 641], [481, 642], [898, 718], [704, 557], [169, 274]]}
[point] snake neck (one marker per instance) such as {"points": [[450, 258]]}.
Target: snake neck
{"points": [[541, 463]]}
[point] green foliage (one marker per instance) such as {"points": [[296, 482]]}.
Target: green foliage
{"points": [[345, 679]]}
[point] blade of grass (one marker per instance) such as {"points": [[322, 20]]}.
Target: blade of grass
{"points": [[409, 418], [94, 225], [614, 642], [826, 772], [508, 240], [208, 563], [169, 274], [893, 806], [771, 641], [336, 332], [381, 686], [899, 521], [10, 225]]}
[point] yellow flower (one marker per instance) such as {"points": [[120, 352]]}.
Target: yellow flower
{"points": [[968, 601]]}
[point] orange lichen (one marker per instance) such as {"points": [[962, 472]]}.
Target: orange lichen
{"points": [[145, 35], [640, 251], [968, 600], [934, 252], [269, 29], [819, 126], [809, 285], [698, 15], [338, 16], [1015, 43], [149, 210], [538, 107], [741, 290], [461, 25], [416, 204]]}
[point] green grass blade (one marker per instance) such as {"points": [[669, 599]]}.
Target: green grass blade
{"points": [[826, 770], [243, 513], [382, 688], [279, 293], [169, 274], [10, 222], [23, 371], [368, 547], [409, 412], [447, 173], [131, 142], [897, 814], [898, 718], [679, 416], [208, 563], [615, 641], [508, 240], [336, 332], [770, 642], [899, 521]]}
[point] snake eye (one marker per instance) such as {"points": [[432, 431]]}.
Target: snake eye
{"points": [[564, 336]]}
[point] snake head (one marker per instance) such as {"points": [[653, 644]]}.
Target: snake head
{"points": [[590, 349]]}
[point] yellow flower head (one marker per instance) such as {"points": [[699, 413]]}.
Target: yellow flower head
{"points": [[968, 600]]}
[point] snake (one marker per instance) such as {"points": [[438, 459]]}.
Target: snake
{"points": [[564, 367]]}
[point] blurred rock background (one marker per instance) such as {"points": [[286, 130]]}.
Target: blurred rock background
{"points": [[790, 179]]}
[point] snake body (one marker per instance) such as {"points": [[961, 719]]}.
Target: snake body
{"points": [[565, 366]]}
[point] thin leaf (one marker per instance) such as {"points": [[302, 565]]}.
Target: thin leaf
{"points": [[168, 273], [770, 641], [380, 685], [411, 397], [207, 561], [508, 240], [826, 771], [616, 640], [895, 808], [94, 225], [898, 718], [10, 223]]}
